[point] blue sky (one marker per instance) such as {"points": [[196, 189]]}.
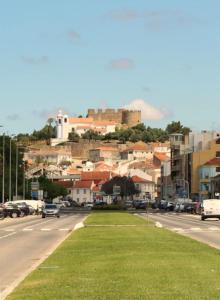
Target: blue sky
{"points": [[84, 54]]}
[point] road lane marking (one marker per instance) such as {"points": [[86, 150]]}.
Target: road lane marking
{"points": [[10, 230], [7, 235], [45, 229], [27, 229], [44, 222], [64, 229], [214, 228], [178, 229]]}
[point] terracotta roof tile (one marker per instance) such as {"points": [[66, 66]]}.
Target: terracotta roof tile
{"points": [[137, 179], [213, 162]]}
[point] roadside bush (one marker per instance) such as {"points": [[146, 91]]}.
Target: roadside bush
{"points": [[108, 207]]}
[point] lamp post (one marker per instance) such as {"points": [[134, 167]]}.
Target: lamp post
{"points": [[16, 174], [3, 167], [10, 159]]}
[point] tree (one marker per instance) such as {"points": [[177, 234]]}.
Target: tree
{"points": [[73, 136], [127, 187], [52, 189], [92, 135], [177, 127], [13, 167]]}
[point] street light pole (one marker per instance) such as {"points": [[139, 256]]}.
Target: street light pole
{"points": [[3, 168], [16, 174], [9, 194], [24, 180]]}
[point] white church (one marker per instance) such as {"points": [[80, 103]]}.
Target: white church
{"points": [[65, 125]]}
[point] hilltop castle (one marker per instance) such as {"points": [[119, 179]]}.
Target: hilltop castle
{"points": [[121, 116], [100, 121]]}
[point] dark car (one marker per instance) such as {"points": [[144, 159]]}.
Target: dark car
{"points": [[24, 208], [12, 210], [140, 204], [2, 213]]}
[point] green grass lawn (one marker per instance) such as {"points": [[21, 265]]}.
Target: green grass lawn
{"points": [[125, 263]]}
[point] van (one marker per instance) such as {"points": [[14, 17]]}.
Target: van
{"points": [[210, 209]]}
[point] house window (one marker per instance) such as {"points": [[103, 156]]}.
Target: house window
{"points": [[84, 191], [217, 153], [77, 199], [77, 191], [218, 169], [65, 120]]}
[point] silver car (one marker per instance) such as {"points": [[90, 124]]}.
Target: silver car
{"points": [[51, 210]]}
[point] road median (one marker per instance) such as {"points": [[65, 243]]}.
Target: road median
{"points": [[124, 262]]}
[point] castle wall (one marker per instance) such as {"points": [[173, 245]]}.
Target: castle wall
{"points": [[121, 116], [106, 115]]}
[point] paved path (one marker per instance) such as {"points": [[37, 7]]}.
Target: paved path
{"points": [[24, 242], [207, 231]]}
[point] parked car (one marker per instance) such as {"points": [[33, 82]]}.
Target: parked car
{"points": [[140, 204], [2, 213], [88, 204], [169, 206], [128, 204], [11, 210], [24, 208], [51, 210]]}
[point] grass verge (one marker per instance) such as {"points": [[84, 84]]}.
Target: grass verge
{"points": [[125, 263]]}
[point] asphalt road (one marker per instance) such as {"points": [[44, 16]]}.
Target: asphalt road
{"points": [[25, 242], [207, 231]]}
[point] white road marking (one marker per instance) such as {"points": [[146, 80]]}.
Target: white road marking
{"points": [[44, 222], [4, 236], [178, 229], [195, 229], [64, 229], [214, 228], [27, 229], [9, 230], [45, 229]]}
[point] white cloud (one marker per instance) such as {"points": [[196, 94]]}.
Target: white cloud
{"points": [[148, 111]]}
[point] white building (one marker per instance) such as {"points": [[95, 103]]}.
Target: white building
{"points": [[145, 188]]}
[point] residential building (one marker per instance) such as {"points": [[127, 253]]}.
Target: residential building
{"points": [[82, 191], [198, 160], [48, 155], [96, 176], [138, 151], [145, 188], [208, 171]]}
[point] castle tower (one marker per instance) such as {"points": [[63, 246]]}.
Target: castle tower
{"points": [[131, 117]]}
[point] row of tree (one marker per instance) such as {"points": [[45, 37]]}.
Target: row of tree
{"points": [[137, 133]]}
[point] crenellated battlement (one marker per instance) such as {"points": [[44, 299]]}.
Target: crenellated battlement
{"points": [[121, 116]]}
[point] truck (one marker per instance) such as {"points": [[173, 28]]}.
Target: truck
{"points": [[210, 208]]}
